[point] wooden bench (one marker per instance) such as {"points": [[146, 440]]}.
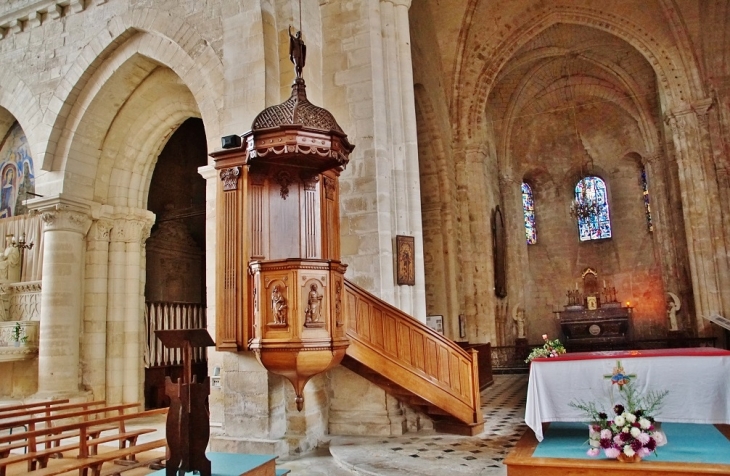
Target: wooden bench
{"points": [[24, 406], [95, 463], [83, 430], [11, 419], [48, 420]]}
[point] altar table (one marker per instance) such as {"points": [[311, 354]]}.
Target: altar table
{"points": [[698, 381]]}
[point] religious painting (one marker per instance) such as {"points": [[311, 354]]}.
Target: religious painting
{"points": [[405, 263], [17, 180], [592, 302], [499, 253]]}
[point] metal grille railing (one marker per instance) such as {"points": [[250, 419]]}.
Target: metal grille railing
{"points": [[168, 316]]}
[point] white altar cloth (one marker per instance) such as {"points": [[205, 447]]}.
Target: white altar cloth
{"points": [[698, 381]]}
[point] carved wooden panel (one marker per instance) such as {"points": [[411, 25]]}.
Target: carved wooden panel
{"points": [[412, 355]]}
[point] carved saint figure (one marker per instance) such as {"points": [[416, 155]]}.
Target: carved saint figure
{"points": [[673, 305], [10, 262], [314, 305], [297, 52], [518, 315], [278, 306]]}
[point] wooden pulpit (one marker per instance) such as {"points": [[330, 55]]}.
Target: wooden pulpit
{"points": [[188, 423]]}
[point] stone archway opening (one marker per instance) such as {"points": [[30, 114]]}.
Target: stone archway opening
{"points": [[175, 295]]}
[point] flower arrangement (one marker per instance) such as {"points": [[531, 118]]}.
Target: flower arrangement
{"points": [[18, 334], [632, 433], [551, 348]]}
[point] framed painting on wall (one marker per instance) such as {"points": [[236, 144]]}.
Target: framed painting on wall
{"points": [[405, 264]]}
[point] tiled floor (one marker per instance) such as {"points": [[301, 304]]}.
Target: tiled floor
{"points": [[428, 453], [414, 454]]}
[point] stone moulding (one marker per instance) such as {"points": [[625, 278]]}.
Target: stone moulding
{"points": [[36, 13]]}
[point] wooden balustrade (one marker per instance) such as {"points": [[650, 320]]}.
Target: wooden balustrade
{"points": [[413, 356], [171, 316]]}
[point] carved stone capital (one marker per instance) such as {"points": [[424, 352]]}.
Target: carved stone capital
{"points": [[130, 231], [66, 220], [100, 230]]}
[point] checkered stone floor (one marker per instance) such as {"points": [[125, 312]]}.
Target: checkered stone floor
{"points": [[435, 454]]}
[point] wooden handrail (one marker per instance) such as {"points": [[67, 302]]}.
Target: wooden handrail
{"points": [[412, 355]]}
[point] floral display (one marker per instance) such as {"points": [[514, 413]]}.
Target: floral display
{"points": [[632, 433], [551, 348]]}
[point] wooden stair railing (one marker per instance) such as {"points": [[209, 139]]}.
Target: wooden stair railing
{"points": [[411, 356]]}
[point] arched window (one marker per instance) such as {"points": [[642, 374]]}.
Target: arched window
{"points": [[528, 207], [594, 221]]}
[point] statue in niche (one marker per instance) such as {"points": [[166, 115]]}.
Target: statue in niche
{"points": [[278, 306], [518, 315], [314, 306], [673, 305], [10, 262]]}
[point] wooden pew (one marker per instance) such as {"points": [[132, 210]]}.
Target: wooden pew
{"points": [[48, 420], [47, 409], [24, 406], [82, 431], [95, 463]]}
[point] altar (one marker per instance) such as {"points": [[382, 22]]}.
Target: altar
{"points": [[697, 379]]}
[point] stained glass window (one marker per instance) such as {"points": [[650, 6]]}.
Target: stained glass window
{"points": [[647, 205], [528, 207], [590, 192]]}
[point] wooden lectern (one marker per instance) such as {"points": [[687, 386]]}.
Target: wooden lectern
{"points": [[188, 424]]}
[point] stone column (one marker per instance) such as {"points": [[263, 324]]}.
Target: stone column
{"points": [[517, 261], [403, 143], [93, 348], [698, 184], [476, 276], [65, 223], [126, 307]]}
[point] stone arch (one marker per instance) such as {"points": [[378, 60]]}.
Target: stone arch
{"points": [[18, 103], [674, 80], [157, 35]]}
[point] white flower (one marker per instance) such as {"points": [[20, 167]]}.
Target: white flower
{"points": [[629, 451], [644, 423], [605, 434], [635, 432], [630, 417], [619, 420], [595, 443], [660, 438], [625, 429]]}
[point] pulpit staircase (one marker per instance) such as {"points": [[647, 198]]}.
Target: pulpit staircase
{"points": [[412, 362]]}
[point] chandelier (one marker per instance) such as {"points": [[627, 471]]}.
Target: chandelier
{"points": [[586, 205]]}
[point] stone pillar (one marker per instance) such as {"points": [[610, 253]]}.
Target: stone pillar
{"points": [[405, 206], [93, 348], [126, 307], [517, 261], [698, 184], [65, 223]]}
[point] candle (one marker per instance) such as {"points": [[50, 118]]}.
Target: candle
{"points": [[604, 284], [576, 285]]}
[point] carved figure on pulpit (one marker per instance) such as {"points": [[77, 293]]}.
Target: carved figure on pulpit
{"points": [[518, 315], [314, 305], [673, 305], [278, 306]]}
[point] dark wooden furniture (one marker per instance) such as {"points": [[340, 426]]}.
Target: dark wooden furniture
{"points": [[484, 358], [605, 325], [188, 426]]}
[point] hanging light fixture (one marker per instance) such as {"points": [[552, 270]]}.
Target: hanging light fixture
{"points": [[585, 204]]}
